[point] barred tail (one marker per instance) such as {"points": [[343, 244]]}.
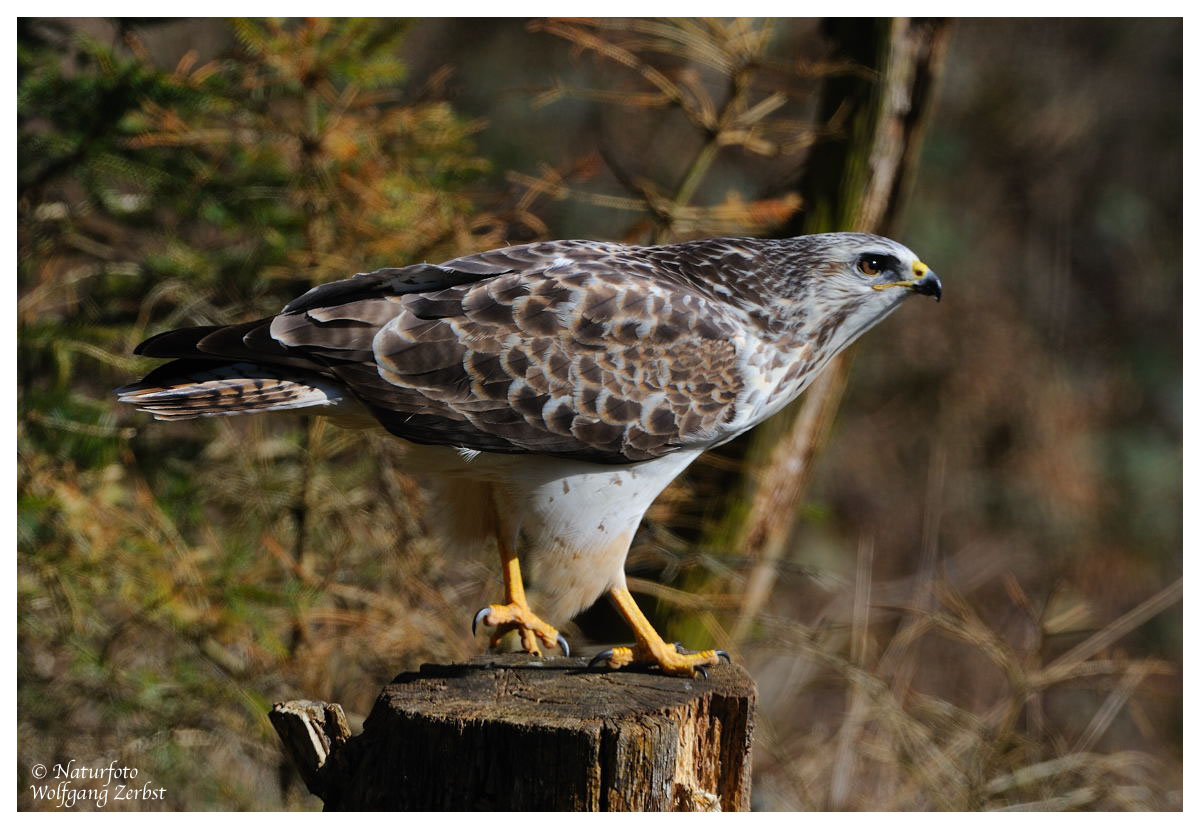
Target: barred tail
{"points": [[189, 388]]}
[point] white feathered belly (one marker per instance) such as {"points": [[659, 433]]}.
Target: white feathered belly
{"points": [[571, 522]]}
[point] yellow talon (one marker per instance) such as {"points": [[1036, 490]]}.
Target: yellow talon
{"points": [[619, 658], [650, 648], [519, 617], [516, 614], [669, 661]]}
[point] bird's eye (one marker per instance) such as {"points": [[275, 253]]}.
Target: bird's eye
{"points": [[871, 265]]}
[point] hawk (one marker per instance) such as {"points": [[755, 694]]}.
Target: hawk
{"points": [[553, 389]]}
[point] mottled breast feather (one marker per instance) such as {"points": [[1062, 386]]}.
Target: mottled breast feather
{"points": [[575, 349]]}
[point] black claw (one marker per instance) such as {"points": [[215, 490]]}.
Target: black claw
{"points": [[600, 657], [703, 671], [725, 656], [478, 618], [563, 646]]}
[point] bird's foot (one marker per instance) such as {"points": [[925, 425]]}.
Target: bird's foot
{"points": [[675, 661], [519, 617]]}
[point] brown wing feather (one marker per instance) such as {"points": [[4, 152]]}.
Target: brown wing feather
{"points": [[575, 349], [564, 354]]}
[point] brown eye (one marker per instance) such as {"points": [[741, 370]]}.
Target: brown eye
{"points": [[870, 265]]}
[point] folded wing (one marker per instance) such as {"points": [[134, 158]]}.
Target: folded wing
{"points": [[575, 349]]}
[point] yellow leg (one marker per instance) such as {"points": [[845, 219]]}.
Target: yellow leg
{"points": [[650, 646], [516, 613]]}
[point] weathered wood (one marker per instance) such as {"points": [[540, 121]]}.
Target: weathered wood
{"points": [[310, 732], [511, 732]]}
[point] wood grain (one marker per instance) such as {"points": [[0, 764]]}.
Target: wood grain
{"points": [[519, 733]]}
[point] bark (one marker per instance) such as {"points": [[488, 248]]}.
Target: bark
{"points": [[858, 181], [511, 733]]}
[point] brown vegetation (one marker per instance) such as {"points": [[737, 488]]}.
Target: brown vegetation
{"points": [[978, 606]]}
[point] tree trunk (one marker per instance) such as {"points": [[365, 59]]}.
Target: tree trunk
{"points": [[511, 733], [856, 181]]}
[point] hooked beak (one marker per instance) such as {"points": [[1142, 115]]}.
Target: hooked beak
{"points": [[929, 285], [926, 283]]}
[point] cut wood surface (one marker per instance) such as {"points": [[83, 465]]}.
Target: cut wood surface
{"points": [[514, 732]]}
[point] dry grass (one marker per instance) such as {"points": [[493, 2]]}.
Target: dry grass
{"points": [[974, 622]]}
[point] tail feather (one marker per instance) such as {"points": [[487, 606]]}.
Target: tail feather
{"points": [[180, 342], [186, 389], [245, 341]]}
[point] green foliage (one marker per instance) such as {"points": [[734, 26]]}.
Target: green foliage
{"points": [[152, 623], [1006, 464]]}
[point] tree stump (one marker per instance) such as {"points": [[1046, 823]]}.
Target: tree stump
{"points": [[515, 732]]}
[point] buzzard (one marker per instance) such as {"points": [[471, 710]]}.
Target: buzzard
{"points": [[553, 389]]}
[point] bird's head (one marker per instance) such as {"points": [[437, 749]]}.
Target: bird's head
{"points": [[870, 269], [847, 282]]}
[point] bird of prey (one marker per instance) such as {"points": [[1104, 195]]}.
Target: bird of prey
{"points": [[553, 389]]}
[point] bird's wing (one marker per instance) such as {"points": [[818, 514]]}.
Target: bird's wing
{"points": [[253, 340], [575, 349]]}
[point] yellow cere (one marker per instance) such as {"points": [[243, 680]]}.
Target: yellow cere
{"points": [[919, 269]]}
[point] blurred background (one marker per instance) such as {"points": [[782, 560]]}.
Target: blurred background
{"points": [[976, 603]]}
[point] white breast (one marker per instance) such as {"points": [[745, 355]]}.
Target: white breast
{"points": [[571, 522], [578, 520]]}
